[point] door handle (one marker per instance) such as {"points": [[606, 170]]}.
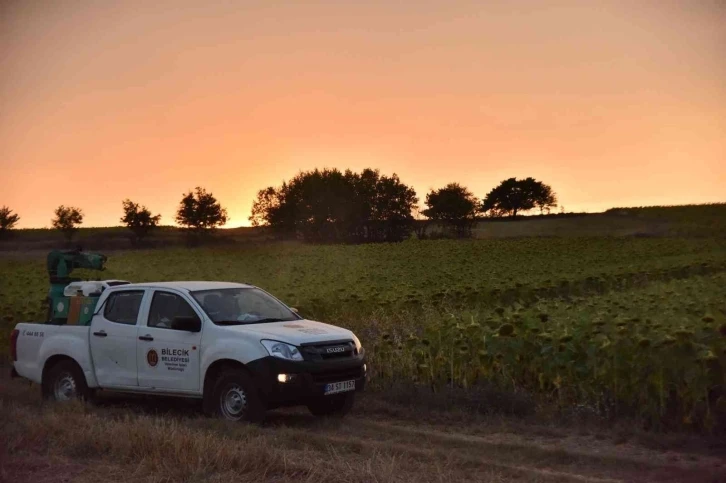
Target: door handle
{"points": [[146, 337], [100, 334]]}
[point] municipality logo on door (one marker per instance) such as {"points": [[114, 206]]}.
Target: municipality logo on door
{"points": [[152, 358]]}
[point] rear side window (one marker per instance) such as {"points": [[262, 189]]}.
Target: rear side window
{"points": [[123, 307]]}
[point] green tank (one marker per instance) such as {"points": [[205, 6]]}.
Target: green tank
{"points": [[60, 265]]}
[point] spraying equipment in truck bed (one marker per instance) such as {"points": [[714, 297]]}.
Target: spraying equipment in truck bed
{"points": [[70, 300]]}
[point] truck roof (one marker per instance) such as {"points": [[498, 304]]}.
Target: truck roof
{"points": [[190, 286]]}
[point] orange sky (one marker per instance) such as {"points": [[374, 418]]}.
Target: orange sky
{"points": [[611, 102]]}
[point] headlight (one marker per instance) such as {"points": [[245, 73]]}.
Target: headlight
{"points": [[282, 350], [358, 346]]}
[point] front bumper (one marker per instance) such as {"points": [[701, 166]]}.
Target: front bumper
{"points": [[308, 381]]}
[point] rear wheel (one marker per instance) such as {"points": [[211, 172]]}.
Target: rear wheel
{"points": [[336, 406], [65, 382], [234, 398]]}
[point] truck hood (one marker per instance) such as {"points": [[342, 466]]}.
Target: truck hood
{"points": [[294, 332]]}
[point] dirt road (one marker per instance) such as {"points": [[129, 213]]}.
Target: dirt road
{"points": [[147, 440]]}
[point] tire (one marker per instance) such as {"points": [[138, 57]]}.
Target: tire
{"points": [[332, 406], [65, 382], [234, 397]]}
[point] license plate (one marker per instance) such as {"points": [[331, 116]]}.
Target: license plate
{"points": [[336, 387]]}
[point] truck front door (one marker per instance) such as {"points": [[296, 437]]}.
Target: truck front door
{"points": [[168, 358], [113, 339]]}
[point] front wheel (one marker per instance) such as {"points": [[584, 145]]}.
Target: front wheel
{"points": [[235, 398], [336, 406], [65, 382]]}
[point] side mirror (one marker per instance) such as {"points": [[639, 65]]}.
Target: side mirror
{"points": [[294, 310], [189, 323]]}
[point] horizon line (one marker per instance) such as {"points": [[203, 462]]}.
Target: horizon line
{"points": [[522, 215]]}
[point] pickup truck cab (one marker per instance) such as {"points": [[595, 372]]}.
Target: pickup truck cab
{"points": [[233, 345]]}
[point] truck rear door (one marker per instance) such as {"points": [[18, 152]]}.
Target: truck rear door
{"points": [[169, 358], [114, 338]]}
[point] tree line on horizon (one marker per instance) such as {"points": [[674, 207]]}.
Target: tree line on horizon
{"points": [[333, 206], [199, 213], [330, 205]]}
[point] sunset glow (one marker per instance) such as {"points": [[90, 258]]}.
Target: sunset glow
{"points": [[611, 103]]}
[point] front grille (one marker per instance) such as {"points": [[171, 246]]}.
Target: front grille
{"points": [[337, 375], [328, 351]]}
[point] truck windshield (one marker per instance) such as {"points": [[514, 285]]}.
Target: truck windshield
{"points": [[235, 306]]}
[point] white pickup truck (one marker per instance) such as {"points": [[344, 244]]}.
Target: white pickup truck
{"points": [[234, 345]]}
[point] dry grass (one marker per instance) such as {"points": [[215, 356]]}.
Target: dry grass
{"points": [[166, 440], [167, 449]]}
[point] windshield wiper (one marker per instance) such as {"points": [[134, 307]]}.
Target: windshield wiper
{"points": [[267, 319], [228, 322], [252, 321]]}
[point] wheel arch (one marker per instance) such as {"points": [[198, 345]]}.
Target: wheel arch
{"points": [[218, 367], [82, 384], [55, 359]]}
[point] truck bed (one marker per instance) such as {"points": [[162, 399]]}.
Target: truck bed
{"points": [[39, 341]]}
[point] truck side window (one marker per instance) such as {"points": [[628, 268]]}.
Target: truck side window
{"points": [[165, 306], [123, 307]]}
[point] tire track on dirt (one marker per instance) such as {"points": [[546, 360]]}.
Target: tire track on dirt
{"points": [[585, 447], [513, 454], [465, 466]]}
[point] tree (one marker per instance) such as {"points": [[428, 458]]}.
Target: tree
{"points": [[330, 205], [8, 219], [421, 223], [67, 219], [513, 196], [138, 219], [454, 206], [545, 198], [200, 212], [392, 205]]}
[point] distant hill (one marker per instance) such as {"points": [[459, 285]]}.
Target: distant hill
{"points": [[707, 220], [119, 238], [681, 220], [684, 218]]}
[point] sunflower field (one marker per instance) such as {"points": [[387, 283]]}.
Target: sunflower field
{"points": [[628, 326]]}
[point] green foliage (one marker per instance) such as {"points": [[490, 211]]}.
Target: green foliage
{"points": [[8, 219], [648, 353], [138, 219], [330, 205], [200, 211], [513, 196], [67, 219], [683, 219], [453, 205], [632, 327]]}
